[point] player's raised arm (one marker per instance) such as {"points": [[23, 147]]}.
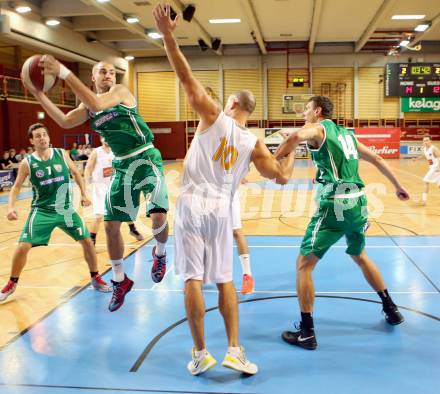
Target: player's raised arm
{"points": [[198, 98], [73, 118], [312, 133], [116, 95]]}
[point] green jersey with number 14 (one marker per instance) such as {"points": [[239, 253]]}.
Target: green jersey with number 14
{"points": [[337, 161]]}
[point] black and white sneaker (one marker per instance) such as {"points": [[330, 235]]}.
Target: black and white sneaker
{"points": [[392, 315], [301, 338]]}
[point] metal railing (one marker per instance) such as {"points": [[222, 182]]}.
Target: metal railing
{"points": [[12, 87]]}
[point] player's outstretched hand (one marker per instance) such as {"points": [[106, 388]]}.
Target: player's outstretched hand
{"points": [[12, 215], [402, 194], [164, 22], [50, 65]]}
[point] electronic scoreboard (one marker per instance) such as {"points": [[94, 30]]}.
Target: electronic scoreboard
{"points": [[412, 79]]}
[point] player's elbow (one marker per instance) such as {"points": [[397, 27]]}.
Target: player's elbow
{"points": [[282, 180]]}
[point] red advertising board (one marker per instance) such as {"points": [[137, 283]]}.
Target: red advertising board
{"points": [[417, 133], [385, 141]]}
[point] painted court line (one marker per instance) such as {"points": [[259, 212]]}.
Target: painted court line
{"points": [[155, 289]]}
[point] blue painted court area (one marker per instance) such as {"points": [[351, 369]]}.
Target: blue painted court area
{"points": [[83, 348]]}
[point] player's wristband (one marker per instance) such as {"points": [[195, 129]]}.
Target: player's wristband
{"points": [[64, 72]]}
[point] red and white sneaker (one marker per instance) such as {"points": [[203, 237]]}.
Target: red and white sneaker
{"points": [[7, 290], [247, 287], [120, 289], [100, 284], [159, 266]]}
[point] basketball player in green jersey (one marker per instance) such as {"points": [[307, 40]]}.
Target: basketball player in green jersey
{"points": [[342, 210], [137, 165], [49, 172]]}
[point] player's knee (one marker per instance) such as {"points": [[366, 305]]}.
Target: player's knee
{"points": [[303, 263], [24, 247], [236, 232], [112, 228], [360, 260], [158, 219]]}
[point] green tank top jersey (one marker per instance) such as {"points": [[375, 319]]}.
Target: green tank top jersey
{"points": [[123, 129], [337, 161], [50, 181]]}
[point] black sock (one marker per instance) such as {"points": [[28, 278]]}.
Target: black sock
{"points": [[306, 321], [14, 279], [93, 274], [132, 227], [93, 236], [386, 298]]}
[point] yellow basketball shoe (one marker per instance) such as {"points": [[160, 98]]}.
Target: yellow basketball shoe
{"points": [[200, 362], [236, 359]]}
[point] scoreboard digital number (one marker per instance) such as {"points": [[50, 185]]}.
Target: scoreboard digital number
{"points": [[412, 79]]}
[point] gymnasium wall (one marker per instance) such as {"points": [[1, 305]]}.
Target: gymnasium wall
{"points": [[252, 72], [17, 116]]}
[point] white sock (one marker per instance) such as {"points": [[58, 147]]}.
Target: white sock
{"points": [[424, 196], [160, 248], [234, 350], [246, 264], [200, 353], [118, 270]]}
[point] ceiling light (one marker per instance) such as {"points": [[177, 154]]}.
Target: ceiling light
{"points": [[404, 43], [407, 16], [102, 1], [154, 35], [132, 19], [23, 9], [129, 57], [52, 22], [231, 20], [422, 27]]}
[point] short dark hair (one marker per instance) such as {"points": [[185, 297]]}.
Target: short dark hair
{"points": [[246, 100], [36, 126], [325, 104]]}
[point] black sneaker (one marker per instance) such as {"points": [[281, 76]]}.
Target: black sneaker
{"points": [[301, 338], [392, 315]]}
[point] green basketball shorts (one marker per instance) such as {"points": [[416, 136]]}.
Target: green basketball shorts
{"points": [[41, 222], [142, 173], [334, 219]]}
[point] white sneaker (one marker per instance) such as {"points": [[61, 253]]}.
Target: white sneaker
{"points": [[202, 363], [7, 290], [239, 362]]}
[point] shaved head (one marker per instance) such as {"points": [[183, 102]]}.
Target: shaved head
{"points": [[100, 65], [245, 100]]}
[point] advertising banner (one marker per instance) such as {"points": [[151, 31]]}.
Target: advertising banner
{"points": [[420, 104], [382, 140]]}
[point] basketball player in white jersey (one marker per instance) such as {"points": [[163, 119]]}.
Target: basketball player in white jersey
{"points": [[432, 155], [98, 172], [248, 283], [218, 158]]}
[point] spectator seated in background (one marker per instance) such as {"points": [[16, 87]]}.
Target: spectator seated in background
{"points": [[20, 156], [88, 150], [13, 156], [74, 151], [82, 152], [29, 150], [5, 162]]}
